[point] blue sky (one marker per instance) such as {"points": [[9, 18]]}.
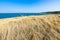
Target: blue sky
{"points": [[29, 6]]}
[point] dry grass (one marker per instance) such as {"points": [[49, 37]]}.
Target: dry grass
{"points": [[31, 28]]}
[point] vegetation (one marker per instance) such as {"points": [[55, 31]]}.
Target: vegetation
{"points": [[45, 27]]}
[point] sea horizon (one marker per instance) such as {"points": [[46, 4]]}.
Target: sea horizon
{"points": [[10, 15]]}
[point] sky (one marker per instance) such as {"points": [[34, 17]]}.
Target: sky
{"points": [[29, 6]]}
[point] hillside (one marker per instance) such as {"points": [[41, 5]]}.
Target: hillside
{"points": [[42, 27]]}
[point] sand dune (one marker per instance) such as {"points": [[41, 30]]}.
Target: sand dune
{"points": [[43, 27]]}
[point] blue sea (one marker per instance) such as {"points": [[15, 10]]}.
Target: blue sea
{"points": [[9, 15]]}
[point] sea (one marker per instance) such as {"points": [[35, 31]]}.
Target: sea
{"points": [[10, 15]]}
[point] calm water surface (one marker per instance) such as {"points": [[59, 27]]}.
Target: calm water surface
{"points": [[9, 15]]}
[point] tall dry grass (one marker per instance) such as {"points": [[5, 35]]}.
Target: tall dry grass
{"points": [[45, 27]]}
